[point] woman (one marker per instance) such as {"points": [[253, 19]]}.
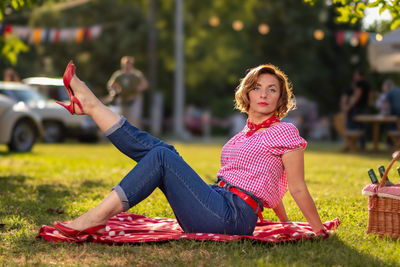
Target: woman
{"points": [[256, 164]]}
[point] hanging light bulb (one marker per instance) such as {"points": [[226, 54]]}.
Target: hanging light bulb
{"points": [[379, 37], [319, 34], [237, 25], [263, 28], [214, 21]]}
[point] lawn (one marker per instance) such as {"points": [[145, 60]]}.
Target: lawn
{"points": [[59, 182]]}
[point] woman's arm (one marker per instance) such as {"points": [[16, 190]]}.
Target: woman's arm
{"points": [[294, 166], [280, 212]]}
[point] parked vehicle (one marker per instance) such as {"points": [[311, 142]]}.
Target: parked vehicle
{"points": [[19, 126], [53, 88], [57, 122]]}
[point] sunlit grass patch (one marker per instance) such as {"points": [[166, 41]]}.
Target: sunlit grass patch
{"points": [[60, 182]]}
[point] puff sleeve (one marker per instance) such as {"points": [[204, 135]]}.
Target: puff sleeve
{"points": [[283, 138]]}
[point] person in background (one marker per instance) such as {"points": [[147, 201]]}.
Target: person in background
{"points": [[125, 88], [392, 97], [10, 75], [356, 103], [381, 103], [257, 164]]}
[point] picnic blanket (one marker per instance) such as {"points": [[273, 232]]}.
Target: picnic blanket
{"points": [[133, 228]]}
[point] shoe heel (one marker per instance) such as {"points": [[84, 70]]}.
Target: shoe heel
{"points": [[69, 107]]}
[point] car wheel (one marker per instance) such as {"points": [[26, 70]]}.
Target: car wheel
{"points": [[53, 132], [23, 137]]}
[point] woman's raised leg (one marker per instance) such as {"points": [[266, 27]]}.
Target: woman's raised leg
{"points": [[104, 117], [128, 139]]}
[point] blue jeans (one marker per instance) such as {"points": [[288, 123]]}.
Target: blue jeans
{"points": [[197, 206]]}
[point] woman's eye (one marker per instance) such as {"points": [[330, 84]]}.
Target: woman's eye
{"points": [[272, 90], [256, 88]]}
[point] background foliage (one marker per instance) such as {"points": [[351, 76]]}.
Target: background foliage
{"points": [[215, 57], [354, 10]]}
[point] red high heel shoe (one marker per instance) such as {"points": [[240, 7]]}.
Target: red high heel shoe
{"points": [[67, 231], [68, 74]]}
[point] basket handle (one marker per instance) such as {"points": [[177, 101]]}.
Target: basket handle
{"points": [[396, 155]]}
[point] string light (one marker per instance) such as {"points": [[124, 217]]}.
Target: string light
{"points": [[319, 34], [237, 25], [214, 21], [263, 28]]}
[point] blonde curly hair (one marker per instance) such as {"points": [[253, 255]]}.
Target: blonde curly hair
{"points": [[286, 100]]}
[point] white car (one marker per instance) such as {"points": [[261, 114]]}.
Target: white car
{"points": [[52, 88], [57, 121], [19, 126]]}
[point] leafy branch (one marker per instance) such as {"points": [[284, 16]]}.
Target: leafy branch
{"points": [[351, 11], [10, 45]]}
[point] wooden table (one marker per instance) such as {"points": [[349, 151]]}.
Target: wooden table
{"points": [[376, 120]]}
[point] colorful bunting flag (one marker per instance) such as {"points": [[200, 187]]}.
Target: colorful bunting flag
{"points": [[54, 35], [87, 36], [36, 35], [7, 29], [44, 35], [96, 31], [44, 38], [348, 35], [364, 37], [80, 35], [372, 36], [340, 36], [354, 38]]}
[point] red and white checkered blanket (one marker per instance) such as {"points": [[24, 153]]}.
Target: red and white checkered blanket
{"points": [[133, 228]]}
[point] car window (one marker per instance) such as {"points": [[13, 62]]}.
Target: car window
{"points": [[63, 93], [52, 91]]}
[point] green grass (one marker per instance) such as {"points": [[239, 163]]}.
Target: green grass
{"points": [[74, 177]]}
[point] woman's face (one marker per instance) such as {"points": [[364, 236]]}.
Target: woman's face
{"points": [[264, 97]]}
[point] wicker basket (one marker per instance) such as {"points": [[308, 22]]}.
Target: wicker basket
{"points": [[384, 213]]}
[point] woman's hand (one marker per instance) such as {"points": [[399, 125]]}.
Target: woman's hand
{"points": [[294, 166]]}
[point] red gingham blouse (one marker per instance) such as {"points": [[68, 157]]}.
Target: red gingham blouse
{"points": [[255, 164]]}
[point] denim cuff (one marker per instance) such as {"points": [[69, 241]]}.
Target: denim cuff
{"points": [[115, 127], [122, 196]]}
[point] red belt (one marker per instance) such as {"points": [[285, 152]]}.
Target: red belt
{"points": [[248, 199]]}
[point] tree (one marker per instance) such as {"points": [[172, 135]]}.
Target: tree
{"points": [[7, 6], [10, 45], [216, 55], [351, 11], [124, 32]]}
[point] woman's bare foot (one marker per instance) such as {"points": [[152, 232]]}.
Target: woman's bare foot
{"points": [[99, 215], [85, 96], [92, 106], [86, 221]]}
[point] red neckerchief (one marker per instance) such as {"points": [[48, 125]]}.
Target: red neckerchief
{"points": [[254, 127]]}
